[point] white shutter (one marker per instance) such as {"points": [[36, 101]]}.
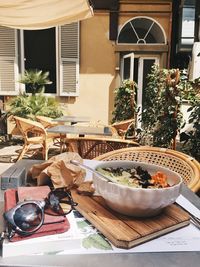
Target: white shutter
{"points": [[69, 59], [8, 61]]}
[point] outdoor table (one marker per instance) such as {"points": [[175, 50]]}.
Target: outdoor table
{"points": [[80, 130], [63, 130], [136, 259], [72, 119]]}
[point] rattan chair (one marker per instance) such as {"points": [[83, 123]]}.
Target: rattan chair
{"points": [[123, 127], [33, 133], [91, 147], [176, 161], [46, 121]]}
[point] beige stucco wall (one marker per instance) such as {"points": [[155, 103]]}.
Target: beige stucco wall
{"points": [[98, 77], [97, 70]]}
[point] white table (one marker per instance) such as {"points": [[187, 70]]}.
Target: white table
{"points": [[147, 259]]}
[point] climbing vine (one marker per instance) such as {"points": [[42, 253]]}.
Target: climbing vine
{"points": [[161, 115]]}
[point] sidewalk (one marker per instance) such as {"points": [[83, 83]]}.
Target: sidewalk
{"points": [[7, 156]]}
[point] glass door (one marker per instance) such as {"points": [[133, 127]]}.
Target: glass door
{"points": [[136, 68]]}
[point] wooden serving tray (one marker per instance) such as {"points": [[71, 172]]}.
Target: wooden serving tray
{"points": [[125, 231]]}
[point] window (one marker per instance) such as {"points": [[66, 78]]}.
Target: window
{"points": [[40, 53], [137, 68], [128, 67], [137, 32], [186, 25], [55, 50], [142, 30]]}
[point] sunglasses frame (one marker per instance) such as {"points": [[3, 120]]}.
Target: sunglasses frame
{"points": [[42, 205], [9, 216]]}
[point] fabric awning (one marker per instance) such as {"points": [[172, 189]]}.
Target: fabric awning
{"points": [[42, 14]]}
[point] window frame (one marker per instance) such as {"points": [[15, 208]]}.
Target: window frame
{"points": [[59, 65], [141, 58], [146, 44], [181, 47], [131, 56]]}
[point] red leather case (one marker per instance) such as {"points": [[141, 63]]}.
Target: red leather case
{"points": [[52, 224]]}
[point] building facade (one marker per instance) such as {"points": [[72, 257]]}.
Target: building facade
{"points": [[87, 60]]}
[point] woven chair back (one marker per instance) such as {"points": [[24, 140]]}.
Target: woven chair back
{"points": [[89, 148], [46, 121], [33, 134], [27, 126]]}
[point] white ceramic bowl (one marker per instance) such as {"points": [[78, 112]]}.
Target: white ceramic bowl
{"points": [[138, 202]]}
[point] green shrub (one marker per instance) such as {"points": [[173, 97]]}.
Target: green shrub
{"points": [[191, 138], [161, 114], [28, 106], [35, 80], [124, 102]]}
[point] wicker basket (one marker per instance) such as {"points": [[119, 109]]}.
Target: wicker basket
{"points": [[179, 162]]}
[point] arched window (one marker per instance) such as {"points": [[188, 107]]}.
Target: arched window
{"points": [[142, 30]]}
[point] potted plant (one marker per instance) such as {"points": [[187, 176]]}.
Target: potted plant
{"points": [[125, 108], [35, 104], [35, 80], [124, 102], [29, 106]]}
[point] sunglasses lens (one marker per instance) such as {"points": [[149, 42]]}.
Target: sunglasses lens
{"points": [[60, 201], [28, 217]]}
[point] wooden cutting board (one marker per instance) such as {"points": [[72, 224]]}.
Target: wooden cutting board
{"points": [[125, 231]]}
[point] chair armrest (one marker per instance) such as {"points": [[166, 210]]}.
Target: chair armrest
{"points": [[26, 125]]}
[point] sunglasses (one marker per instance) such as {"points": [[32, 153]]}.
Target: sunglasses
{"points": [[28, 216]]}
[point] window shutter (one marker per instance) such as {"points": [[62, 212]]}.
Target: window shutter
{"points": [[69, 59], [8, 61]]}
